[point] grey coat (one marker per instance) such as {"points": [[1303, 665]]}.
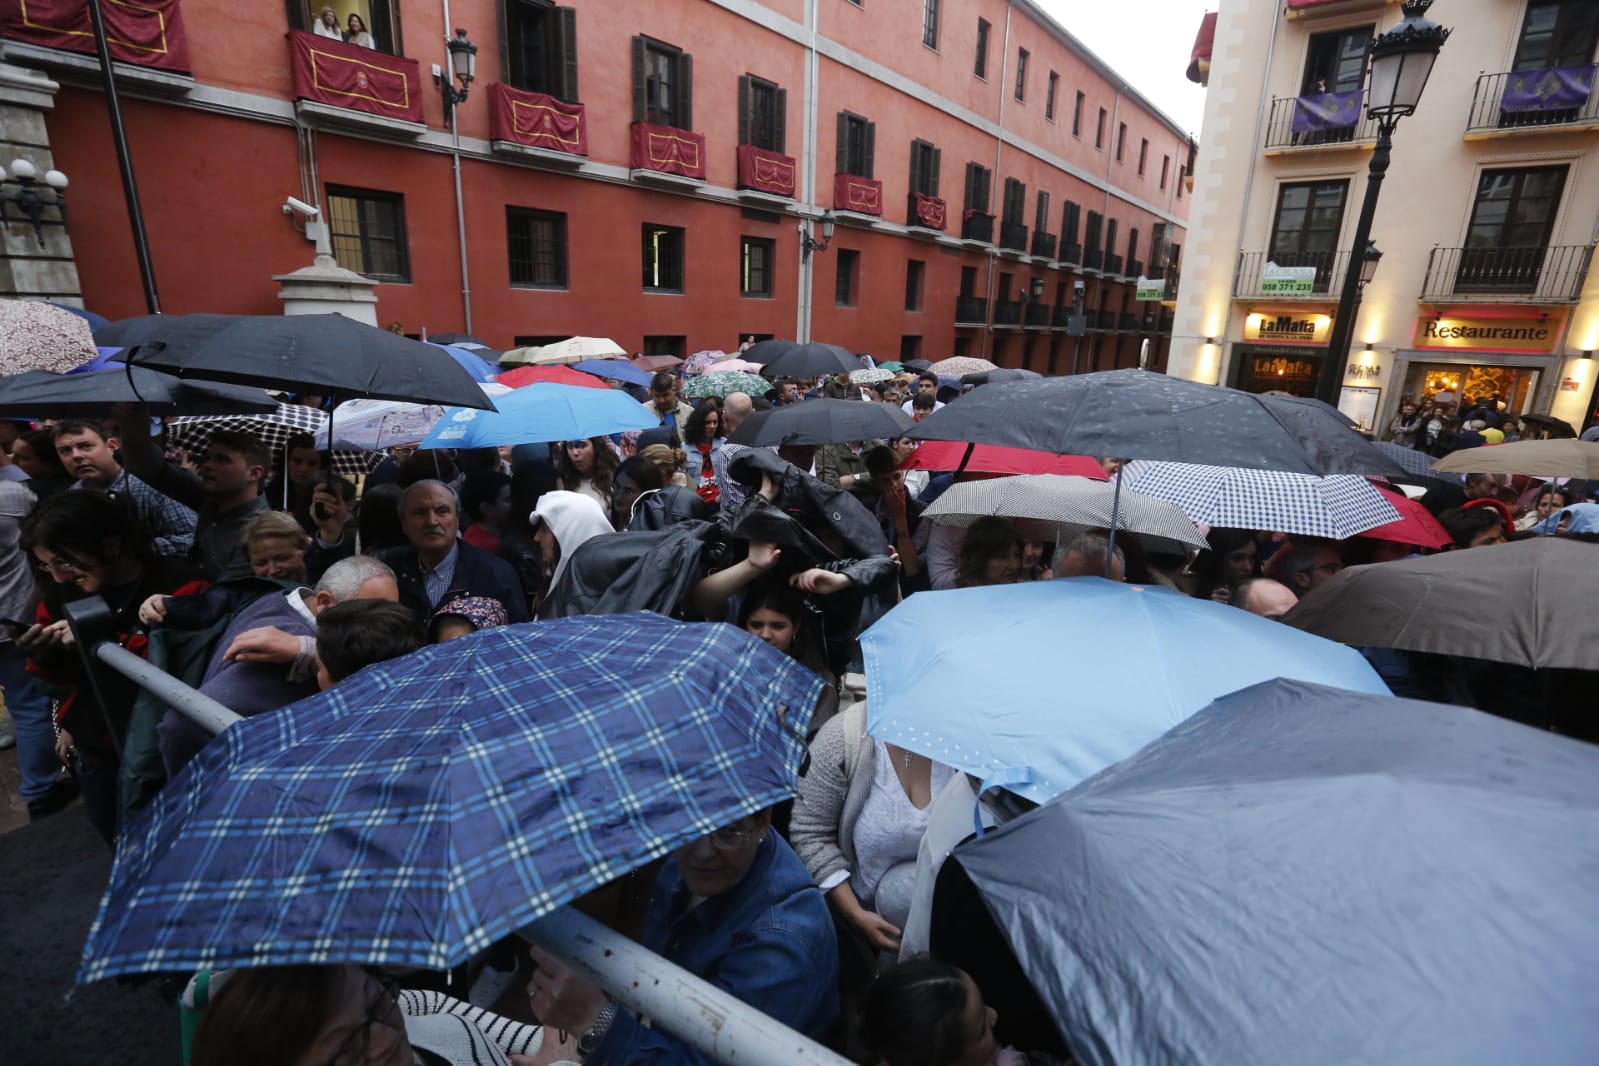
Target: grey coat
{"points": [[833, 790]]}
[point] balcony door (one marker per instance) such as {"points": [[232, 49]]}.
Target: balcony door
{"points": [[1336, 62], [1511, 224], [377, 18], [1305, 232], [1557, 33]]}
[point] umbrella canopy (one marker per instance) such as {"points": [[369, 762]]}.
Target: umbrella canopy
{"points": [[320, 354], [461, 339], [915, 364], [555, 375], [1337, 507], [35, 335], [821, 422], [1299, 873], [810, 361], [868, 377], [994, 377], [1137, 414], [571, 350], [1407, 459], [891, 364], [955, 366], [95, 320], [1415, 525], [1074, 504], [1556, 457], [539, 413], [614, 370], [429, 806], [272, 429], [656, 363], [763, 352], [721, 382], [1542, 614], [376, 425], [733, 363], [975, 678], [42, 394], [1558, 427], [990, 459], [170, 329], [473, 363], [700, 362]]}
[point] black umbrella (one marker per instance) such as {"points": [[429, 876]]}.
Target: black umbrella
{"points": [[766, 351], [318, 354], [41, 394], [1558, 427], [812, 361], [994, 377], [821, 422], [172, 329], [1137, 414]]}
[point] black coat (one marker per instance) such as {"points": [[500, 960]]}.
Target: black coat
{"points": [[477, 573]]}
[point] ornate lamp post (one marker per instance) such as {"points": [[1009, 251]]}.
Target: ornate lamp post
{"points": [[27, 196], [809, 244]]}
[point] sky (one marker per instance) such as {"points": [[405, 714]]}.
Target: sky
{"points": [[1148, 43]]}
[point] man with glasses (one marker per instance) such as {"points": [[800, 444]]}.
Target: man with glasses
{"points": [[736, 908]]}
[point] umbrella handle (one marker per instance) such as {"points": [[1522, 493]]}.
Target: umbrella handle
{"points": [[1115, 508]]}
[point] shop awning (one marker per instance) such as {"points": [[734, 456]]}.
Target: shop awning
{"points": [[1199, 62]]}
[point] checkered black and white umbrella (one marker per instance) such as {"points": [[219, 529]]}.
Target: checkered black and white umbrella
{"points": [[1336, 507], [1071, 504], [272, 429]]}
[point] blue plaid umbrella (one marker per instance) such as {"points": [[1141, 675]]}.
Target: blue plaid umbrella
{"points": [[429, 806]]}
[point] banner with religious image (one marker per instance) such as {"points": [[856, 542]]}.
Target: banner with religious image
{"points": [[537, 120], [358, 79], [1550, 89], [146, 34], [1327, 111]]}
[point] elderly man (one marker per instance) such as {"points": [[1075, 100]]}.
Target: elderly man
{"points": [[736, 908], [736, 407], [437, 562], [664, 405], [1263, 596], [1085, 557]]}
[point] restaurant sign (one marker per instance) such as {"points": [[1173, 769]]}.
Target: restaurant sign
{"points": [[1495, 334], [1294, 328]]}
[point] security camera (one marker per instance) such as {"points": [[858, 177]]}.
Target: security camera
{"points": [[297, 206], [1079, 285]]}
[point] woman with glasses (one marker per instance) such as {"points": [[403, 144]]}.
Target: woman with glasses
{"points": [[588, 467], [85, 543]]}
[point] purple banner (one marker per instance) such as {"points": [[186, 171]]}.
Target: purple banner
{"points": [[1328, 111], [1550, 89]]}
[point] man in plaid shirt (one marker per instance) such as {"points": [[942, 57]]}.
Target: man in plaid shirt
{"points": [[90, 456]]}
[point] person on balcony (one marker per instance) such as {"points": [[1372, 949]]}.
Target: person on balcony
{"points": [[327, 25], [358, 34]]}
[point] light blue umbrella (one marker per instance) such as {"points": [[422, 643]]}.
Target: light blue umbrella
{"points": [[1039, 685], [539, 413], [474, 364], [615, 370]]}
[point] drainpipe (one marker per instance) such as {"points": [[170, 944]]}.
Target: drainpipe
{"points": [[455, 160], [999, 152], [802, 323]]}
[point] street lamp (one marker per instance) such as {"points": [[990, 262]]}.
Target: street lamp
{"points": [[463, 69], [1401, 61], [809, 244], [27, 196]]}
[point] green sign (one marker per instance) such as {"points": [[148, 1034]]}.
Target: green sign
{"points": [[1150, 290], [1287, 281]]}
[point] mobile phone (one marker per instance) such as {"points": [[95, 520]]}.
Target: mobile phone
{"points": [[320, 510], [12, 623]]}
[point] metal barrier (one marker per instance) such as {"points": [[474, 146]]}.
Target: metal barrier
{"points": [[693, 1010]]}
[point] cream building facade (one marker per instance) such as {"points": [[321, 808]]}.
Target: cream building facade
{"points": [[1487, 220]]}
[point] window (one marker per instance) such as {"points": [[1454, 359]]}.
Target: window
{"points": [[978, 182], [910, 348], [1511, 223], [1091, 232], [1110, 238], [663, 258], [1305, 231], [1077, 115], [541, 48], [665, 346], [844, 285], [1021, 73], [756, 258], [1041, 214], [915, 273], [981, 69], [1049, 97], [1180, 183], [1099, 130], [968, 281], [857, 141], [663, 81], [762, 113], [963, 346], [925, 164], [1121, 141], [536, 241], [1069, 217], [1143, 155], [1336, 62], [380, 17], [1165, 169], [930, 23], [1557, 33], [1132, 245], [1015, 202], [368, 232]]}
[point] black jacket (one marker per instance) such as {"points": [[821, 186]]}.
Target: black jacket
{"points": [[477, 572]]}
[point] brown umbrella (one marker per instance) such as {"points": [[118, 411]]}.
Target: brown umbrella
{"points": [[1540, 458], [39, 336], [1527, 603], [653, 363]]}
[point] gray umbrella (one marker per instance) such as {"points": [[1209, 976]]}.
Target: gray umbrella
{"points": [[41, 394], [809, 361], [1072, 504], [1304, 874], [1409, 459], [821, 422]]}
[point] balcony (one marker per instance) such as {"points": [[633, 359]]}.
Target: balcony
{"points": [[1060, 316], [1163, 288], [1310, 9], [1129, 323], [977, 226], [1135, 268], [1013, 237], [1043, 246], [1104, 321], [971, 311], [1322, 121], [925, 212], [765, 174], [861, 196], [1037, 315], [1113, 264], [345, 85], [148, 44], [666, 155], [537, 126], [1557, 99], [1301, 276], [1554, 275], [1007, 313], [1071, 252], [1094, 259]]}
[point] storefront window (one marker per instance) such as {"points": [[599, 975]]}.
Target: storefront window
{"points": [[1510, 388]]}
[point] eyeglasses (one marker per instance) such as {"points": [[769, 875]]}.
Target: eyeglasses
{"points": [[355, 1046], [731, 838], [62, 565]]}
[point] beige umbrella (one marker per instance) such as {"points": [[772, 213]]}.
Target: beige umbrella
{"points": [[39, 336], [1539, 458], [1070, 505], [571, 350], [956, 365]]}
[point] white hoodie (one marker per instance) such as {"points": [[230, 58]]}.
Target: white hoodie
{"points": [[574, 519]]}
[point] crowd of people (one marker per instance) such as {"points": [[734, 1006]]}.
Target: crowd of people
{"points": [[261, 578]]}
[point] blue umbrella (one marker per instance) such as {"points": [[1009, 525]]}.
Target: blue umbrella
{"points": [[615, 370], [1039, 685], [1302, 874], [104, 359], [481, 369], [431, 805], [540, 412]]}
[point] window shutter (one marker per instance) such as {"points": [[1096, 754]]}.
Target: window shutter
{"points": [[871, 151], [780, 121], [916, 166], [685, 92], [971, 184], [841, 155], [938, 164], [639, 105], [1132, 244], [566, 36], [743, 109]]}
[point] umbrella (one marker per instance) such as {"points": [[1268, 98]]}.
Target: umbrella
{"points": [[1336, 507], [1303, 874], [614, 370], [722, 382], [376, 425], [869, 377], [994, 377], [821, 422], [1556, 457], [35, 335], [431, 805], [41, 394], [555, 375], [655, 363], [320, 354], [700, 362], [539, 413], [480, 368], [272, 429], [916, 364], [1415, 524], [1039, 685], [892, 364], [1407, 459], [811, 361], [1559, 427], [731, 364], [991, 459], [764, 352], [571, 350], [1075, 503], [144, 329], [462, 340], [1541, 612], [1137, 414], [957, 365], [103, 359]]}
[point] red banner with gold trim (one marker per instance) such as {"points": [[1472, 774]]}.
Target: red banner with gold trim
{"points": [[668, 150], [861, 195], [537, 120], [355, 78], [930, 211], [148, 33], [770, 172]]}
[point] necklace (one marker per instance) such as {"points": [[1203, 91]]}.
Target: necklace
{"points": [[909, 757]]}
